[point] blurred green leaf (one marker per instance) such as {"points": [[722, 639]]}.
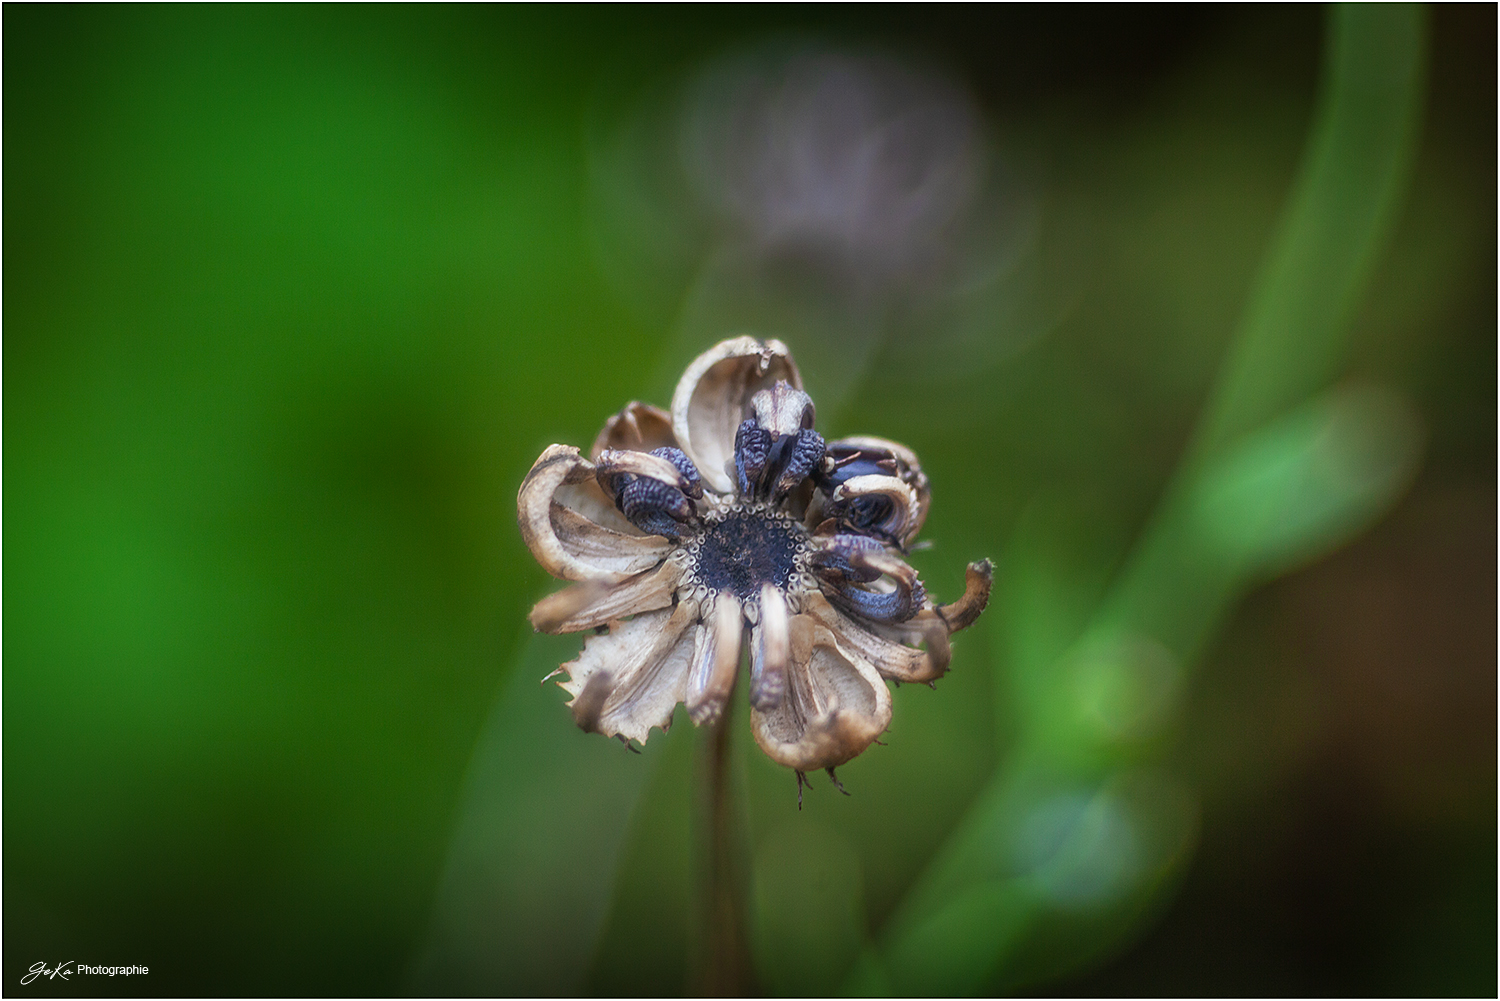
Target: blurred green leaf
{"points": [[809, 911], [1354, 174], [1054, 831], [654, 922], [1308, 481], [532, 866]]}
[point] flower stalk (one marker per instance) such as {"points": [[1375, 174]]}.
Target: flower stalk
{"points": [[727, 970]]}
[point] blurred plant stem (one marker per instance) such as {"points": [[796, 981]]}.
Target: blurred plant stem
{"points": [[1293, 336], [726, 970], [1076, 821]]}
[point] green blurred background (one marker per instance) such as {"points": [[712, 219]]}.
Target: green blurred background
{"points": [[295, 296]]}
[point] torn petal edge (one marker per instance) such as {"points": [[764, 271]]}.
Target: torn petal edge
{"points": [[643, 680]]}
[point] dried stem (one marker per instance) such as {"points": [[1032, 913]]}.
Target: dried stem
{"points": [[726, 970]]}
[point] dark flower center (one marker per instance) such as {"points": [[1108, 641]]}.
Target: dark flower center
{"points": [[748, 549]]}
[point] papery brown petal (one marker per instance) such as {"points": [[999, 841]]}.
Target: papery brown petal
{"points": [[892, 659], [644, 662], [835, 705], [977, 581], [925, 629], [713, 397], [594, 603], [908, 470], [639, 427], [603, 547], [716, 661], [906, 517], [572, 529], [770, 648], [782, 410]]}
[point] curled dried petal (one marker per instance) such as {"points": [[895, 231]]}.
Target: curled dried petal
{"points": [[653, 491], [573, 529], [638, 427], [848, 563], [593, 603], [932, 627], [835, 703], [882, 506], [864, 455], [978, 578], [713, 398], [716, 660], [612, 465]]}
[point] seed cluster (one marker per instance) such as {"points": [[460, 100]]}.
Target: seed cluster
{"points": [[743, 546]]}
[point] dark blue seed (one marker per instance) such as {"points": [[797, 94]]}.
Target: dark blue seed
{"points": [[651, 505], [894, 606], [801, 457], [752, 450], [678, 458]]}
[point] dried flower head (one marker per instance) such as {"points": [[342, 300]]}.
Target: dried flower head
{"points": [[683, 530]]}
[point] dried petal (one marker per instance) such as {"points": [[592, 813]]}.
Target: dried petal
{"points": [[653, 491], [593, 603], [977, 580], [713, 397], [573, 529], [770, 645], [892, 659], [848, 563], [863, 455], [716, 661], [933, 626], [835, 706], [640, 668], [882, 506], [613, 464], [639, 427]]}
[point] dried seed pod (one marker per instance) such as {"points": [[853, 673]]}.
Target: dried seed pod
{"points": [[733, 510]]}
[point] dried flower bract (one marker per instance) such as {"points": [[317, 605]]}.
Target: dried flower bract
{"points": [[730, 515]]}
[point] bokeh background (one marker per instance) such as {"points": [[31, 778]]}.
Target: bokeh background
{"points": [[1190, 313]]}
